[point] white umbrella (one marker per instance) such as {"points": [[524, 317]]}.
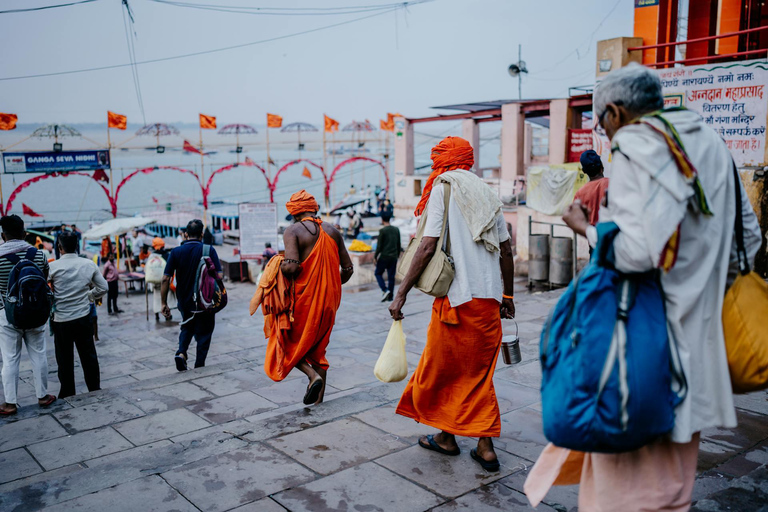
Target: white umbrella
{"points": [[116, 227]]}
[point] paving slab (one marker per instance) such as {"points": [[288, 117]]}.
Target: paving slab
{"points": [[448, 476], [237, 477], [232, 407], [149, 494], [491, 498], [28, 431], [367, 487], [384, 418], [337, 445], [262, 505], [289, 391], [160, 426], [168, 397], [15, 464], [234, 382], [64, 451], [522, 434], [98, 415], [563, 498], [524, 374]]}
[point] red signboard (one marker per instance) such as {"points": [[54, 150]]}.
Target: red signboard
{"points": [[579, 140]]}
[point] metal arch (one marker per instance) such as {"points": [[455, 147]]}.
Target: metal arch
{"points": [[207, 189], [30, 181], [355, 159], [150, 170], [310, 162]]}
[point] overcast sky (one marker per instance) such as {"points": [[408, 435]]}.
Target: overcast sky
{"points": [[435, 53]]}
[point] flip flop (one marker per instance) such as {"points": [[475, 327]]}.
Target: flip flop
{"points": [[313, 392], [437, 448], [181, 362], [49, 399], [487, 465]]}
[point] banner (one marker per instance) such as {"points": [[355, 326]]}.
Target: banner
{"points": [[47, 162], [579, 141], [258, 225], [731, 98]]}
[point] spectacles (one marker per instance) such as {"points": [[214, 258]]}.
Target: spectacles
{"points": [[599, 126]]}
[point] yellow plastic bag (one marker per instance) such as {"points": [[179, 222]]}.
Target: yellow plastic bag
{"points": [[392, 365]]}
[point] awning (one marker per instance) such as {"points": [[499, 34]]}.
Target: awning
{"points": [[116, 227]]}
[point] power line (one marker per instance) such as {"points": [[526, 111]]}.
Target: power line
{"points": [[204, 52], [132, 56], [296, 11], [30, 9]]}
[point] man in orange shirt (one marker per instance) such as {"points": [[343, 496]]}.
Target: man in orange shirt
{"points": [[591, 195]]}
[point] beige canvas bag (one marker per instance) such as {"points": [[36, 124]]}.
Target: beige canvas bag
{"points": [[438, 275]]}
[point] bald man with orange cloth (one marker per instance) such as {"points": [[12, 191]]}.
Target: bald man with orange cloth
{"points": [[314, 251], [452, 387]]}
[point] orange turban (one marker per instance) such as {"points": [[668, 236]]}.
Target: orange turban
{"points": [[450, 154], [302, 202], [158, 243]]}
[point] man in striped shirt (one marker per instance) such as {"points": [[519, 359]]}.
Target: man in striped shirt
{"points": [[11, 338]]}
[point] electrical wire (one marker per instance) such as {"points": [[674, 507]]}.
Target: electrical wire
{"points": [[204, 52], [132, 57], [277, 11], [44, 7]]}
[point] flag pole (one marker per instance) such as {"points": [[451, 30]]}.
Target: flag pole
{"points": [[111, 190], [269, 160], [202, 177], [325, 170]]}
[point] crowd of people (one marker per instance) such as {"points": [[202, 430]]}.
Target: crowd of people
{"points": [[672, 218]]}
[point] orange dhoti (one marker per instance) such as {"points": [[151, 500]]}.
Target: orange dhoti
{"points": [[317, 297], [452, 388]]}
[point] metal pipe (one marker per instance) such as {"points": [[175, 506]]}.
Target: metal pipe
{"points": [[697, 40], [711, 57]]}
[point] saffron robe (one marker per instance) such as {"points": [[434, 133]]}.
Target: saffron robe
{"points": [[317, 296], [452, 387]]}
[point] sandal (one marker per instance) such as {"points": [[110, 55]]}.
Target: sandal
{"points": [[488, 465], [181, 362], [46, 400], [8, 412], [437, 448], [313, 391]]}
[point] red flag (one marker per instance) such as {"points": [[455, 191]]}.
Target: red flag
{"points": [[8, 121], [224, 225], [207, 122], [248, 161], [306, 173], [116, 121], [100, 175], [29, 212], [274, 121], [154, 199], [189, 147]]}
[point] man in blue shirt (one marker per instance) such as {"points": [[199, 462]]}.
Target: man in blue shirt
{"points": [[183, 261]]}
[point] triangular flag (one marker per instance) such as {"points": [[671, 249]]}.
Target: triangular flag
{"points": [[224, 225], [306, 173], [100, 175], [116, 121], [271, 162], [29, 212], [331, 125], [248, 161], [274, 121], [154, 199], [207, 122], [189, 147], [8, 121]]}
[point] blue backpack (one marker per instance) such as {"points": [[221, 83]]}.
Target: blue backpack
{"points": [[29, 298], [608, 359]]}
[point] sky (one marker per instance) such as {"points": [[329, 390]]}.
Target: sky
{"points": [[433, 53]]}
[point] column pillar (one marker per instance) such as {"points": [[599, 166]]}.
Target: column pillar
{"points": [[403, 160], [560, 119], [470, 131], [512, 141]]}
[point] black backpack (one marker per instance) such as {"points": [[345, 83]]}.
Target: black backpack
{"points": [[28, 299]]}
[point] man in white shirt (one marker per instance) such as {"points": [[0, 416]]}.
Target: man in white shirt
{"points": [[76, 283], [452, 388]]}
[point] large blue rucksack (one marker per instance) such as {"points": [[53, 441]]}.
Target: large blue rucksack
{"points": [[28, 299], [611, 373]]}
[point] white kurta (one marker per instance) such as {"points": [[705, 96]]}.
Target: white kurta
{"points": [[648, 198]]}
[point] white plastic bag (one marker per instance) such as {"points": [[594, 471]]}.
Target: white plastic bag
{"points": [[154, 268], [392, 365]]}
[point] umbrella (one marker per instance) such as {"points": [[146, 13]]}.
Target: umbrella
{"points": [[298, 128], [156, 130], [116, 227], [237, 129]]}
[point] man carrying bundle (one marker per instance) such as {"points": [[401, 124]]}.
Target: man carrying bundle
{"points": [[314, 250], [452, 388]]}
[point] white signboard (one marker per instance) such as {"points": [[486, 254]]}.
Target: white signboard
{"points": [[258, 225], [732, 99]]}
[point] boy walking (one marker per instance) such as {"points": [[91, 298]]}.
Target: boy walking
{"points": [[111, 275], [388, 250]]}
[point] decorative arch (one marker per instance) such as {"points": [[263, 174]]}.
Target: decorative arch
{"points": [[298, 161], [31, 181], [355, 159], [207, 189], [150, 170]]}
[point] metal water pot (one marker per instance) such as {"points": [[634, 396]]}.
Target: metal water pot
{"points": [[510, 348]]}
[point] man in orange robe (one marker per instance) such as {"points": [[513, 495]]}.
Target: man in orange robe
{"points": [[452, 387], [314, 251]]}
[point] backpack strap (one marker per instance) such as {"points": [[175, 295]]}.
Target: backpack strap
{"points": [[31, 254], [206, 250], [13, 258]]}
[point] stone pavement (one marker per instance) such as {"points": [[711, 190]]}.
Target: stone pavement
{"points": [[225, 437]]}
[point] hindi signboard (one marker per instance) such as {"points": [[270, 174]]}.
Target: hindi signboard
{"points": [[579, 141], [258, 225], [52, 161], [731, 98]]}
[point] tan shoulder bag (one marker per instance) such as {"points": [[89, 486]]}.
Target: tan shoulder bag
{"points": [[438, 275]]}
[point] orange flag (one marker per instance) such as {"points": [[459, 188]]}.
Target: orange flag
{"points": [[8, 121], [207, 122], [274, 121], [386, 125], [331, 125], [116, 121], [306, 173]]}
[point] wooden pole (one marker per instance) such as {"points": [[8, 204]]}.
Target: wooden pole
{"points": [[325, 170], [202, 177], [269, 160], [112, 192]]}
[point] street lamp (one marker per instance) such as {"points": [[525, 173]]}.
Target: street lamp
{"points": [[517, 69]]}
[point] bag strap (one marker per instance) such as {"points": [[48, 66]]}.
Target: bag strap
{"points": [[206, 250], [13, 258], [31, 254], [741, 252], [444, 229]]}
